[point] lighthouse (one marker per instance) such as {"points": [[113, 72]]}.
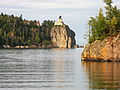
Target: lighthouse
{"points": [[59, 22]]}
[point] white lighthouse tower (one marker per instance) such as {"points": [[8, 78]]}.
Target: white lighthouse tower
{"points": [[59, 22]]}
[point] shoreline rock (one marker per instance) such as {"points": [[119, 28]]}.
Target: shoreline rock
{"points": [[28, 47], [107, 50]]}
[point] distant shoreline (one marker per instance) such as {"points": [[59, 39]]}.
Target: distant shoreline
{"points": [[28, 47], [41, 48], [35, 47]]}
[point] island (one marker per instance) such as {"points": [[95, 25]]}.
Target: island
{"points": [[16, 32], [104, 36]]}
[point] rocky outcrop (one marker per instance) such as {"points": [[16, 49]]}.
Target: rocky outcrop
{"points": [[105, 50], [63, 37]]}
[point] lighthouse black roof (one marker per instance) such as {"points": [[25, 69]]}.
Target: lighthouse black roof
{"points": [[60, 17]]}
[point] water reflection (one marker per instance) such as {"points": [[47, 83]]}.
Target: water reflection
{"points": [[36, 68], [103, 75]]}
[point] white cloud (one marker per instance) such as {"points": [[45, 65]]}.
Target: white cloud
{"points": [[55, 4]]}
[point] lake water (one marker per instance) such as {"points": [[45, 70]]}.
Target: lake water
{"points": [[54, 69]]}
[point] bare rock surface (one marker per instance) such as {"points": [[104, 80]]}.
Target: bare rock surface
{"points": [[63, 37], [105, 50]]}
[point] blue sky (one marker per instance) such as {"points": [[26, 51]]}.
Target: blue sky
{"points": [[75, 13]]}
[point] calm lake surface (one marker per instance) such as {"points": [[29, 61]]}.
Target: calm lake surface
{"points": [[54, 69]]}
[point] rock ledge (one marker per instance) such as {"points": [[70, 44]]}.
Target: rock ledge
{"points": [[105, 50]]}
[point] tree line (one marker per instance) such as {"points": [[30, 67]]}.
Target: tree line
{"points": [[106, 25], [16, 31]]}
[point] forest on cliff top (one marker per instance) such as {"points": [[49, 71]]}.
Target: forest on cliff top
{"points": [[16, 31], [106, 25]]}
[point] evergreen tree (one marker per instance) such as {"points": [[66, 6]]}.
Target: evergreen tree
{"points": [[104, 25], [15, 31]]}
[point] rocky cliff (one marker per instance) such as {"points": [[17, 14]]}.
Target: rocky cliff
{"points": [[105, 50], [63, 37]]}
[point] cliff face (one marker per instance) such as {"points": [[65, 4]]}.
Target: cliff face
{"points": [[63, 37], [106, 50]]}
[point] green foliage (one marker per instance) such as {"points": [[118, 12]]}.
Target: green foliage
{"points": [[104, 25], [37, 39], [15, 31], [108, 2], [45, 30]]}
